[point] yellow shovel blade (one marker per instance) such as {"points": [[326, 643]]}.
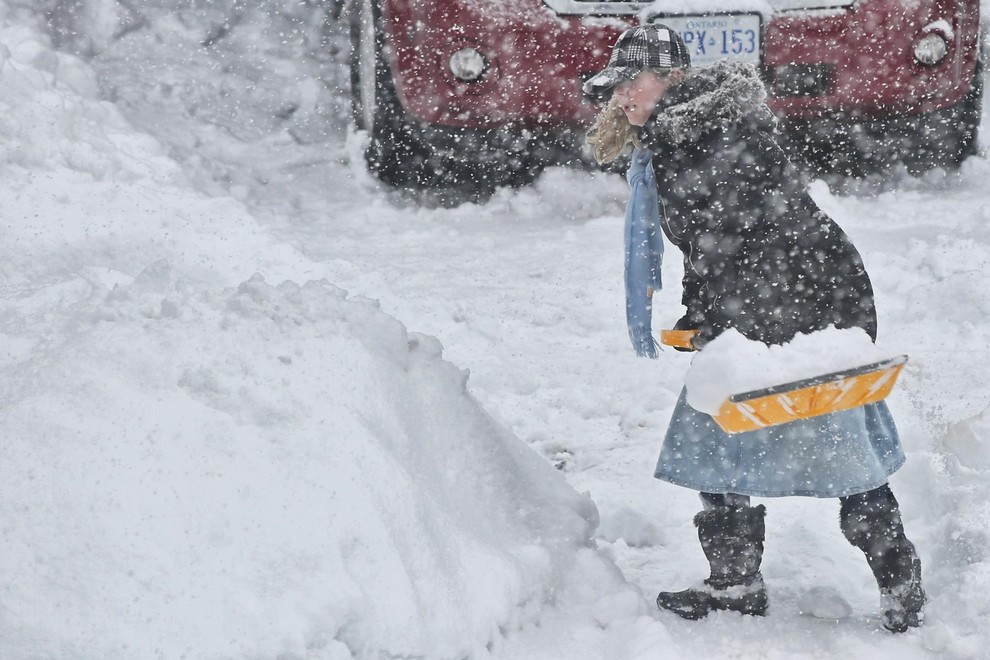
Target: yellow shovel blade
{"points": [[840, 390]]}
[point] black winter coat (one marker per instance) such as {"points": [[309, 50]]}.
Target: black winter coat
{"points": [[759, 255]]}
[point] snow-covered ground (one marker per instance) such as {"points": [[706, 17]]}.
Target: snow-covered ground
{"points": [[208, 451]]}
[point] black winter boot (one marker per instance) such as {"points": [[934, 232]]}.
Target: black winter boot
{"points": [[872, 522], [732, 538]]}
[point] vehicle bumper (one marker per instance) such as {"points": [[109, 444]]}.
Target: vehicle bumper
{"points": [[850, 63]]}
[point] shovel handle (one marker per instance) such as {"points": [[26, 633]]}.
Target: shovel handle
{"points": [[678, 338]]}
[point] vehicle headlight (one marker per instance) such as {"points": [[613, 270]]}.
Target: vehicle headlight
{"points": [[931, 49], [468, 64]]}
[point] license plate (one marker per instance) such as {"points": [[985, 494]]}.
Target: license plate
{"points": [[719, 36]]}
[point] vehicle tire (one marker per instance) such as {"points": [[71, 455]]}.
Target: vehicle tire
{"points": [[855, 149], [972, 111], [409, 154], [946, 138], [375, 106]]}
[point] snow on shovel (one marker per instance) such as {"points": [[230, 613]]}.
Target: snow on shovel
{"points": [[746, 385]]}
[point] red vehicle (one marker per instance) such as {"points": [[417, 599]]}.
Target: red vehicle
{"points": [[455, 91]]}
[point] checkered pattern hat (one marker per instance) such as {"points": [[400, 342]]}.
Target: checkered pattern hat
{"points": [[652, 46]]}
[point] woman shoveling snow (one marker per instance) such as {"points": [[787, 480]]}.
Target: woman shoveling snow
{"points": [[762, 259]]}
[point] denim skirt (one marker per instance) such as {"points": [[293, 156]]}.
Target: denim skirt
{"points": [[831, 455]]}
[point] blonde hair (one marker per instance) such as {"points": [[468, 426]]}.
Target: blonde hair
{"points": [[612, 132]]}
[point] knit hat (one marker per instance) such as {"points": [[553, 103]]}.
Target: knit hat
{"points": [[652, 46]]}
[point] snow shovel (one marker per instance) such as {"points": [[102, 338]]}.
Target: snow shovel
{"points": [[800, 399]]}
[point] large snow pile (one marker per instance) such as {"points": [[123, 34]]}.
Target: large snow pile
{"points": [[196, 463], [261, 470]]}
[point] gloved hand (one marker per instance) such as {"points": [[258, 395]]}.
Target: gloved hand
{"points": [[703, 334]]}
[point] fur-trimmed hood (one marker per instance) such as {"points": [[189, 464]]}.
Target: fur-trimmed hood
{"points": [[720, 95]]}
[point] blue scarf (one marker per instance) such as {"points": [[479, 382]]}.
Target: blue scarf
{"points": [[644, 251]]}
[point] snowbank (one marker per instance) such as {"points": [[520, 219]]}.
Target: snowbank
{"points": [[263, 470], [84, 190]]}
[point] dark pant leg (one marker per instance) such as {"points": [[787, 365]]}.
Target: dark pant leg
{"points": [[871, 521], [715, 500]]}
